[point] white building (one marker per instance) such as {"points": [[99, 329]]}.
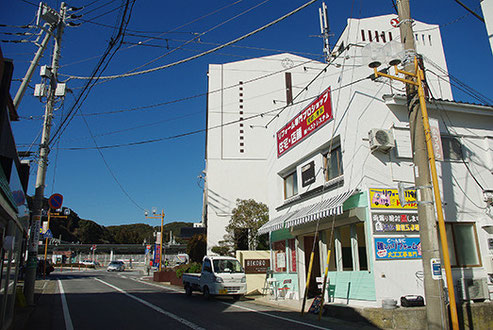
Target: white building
{"points": [[320, 171]]}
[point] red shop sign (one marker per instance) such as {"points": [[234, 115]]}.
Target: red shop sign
{"points": [[314, 116]]}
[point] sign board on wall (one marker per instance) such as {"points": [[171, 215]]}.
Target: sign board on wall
{"points": [[388, 199], [256, 266], [389, 248], [395, 223], [311, 118]]}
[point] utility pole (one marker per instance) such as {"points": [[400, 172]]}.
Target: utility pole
{"points": [[34, 64], [43, 164], [436, 311]]}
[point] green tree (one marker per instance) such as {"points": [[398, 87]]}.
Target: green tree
{"points": [[197, 247], [242, 230]]}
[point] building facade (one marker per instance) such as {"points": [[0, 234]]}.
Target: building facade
{"points": [[336, 155], [14, 214]]}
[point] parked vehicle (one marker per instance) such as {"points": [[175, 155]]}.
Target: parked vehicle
{"points": [[116, 266], [89, 262], [219, 276]]}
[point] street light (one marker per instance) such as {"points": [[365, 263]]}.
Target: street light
{"points": [[158, 216], [392, 54]]}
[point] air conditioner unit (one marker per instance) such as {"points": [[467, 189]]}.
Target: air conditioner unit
{"points": [[473, 289], [381, 139]]}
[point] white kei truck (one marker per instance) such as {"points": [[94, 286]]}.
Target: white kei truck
{"points": [[220, 276]]}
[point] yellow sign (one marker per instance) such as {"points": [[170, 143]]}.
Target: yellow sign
{"points": [[389, 199], [315, 115]]}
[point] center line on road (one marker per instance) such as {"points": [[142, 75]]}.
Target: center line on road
{"points": [[156, 308], [66, 313]]}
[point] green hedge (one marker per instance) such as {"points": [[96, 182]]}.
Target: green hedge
{"points": [[193, 267]]}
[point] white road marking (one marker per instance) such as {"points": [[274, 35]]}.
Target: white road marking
{"points": [[240, 307], [156, 308], [66, 313], [274, 316]]}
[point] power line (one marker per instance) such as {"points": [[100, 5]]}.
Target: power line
{"points": [[130, 74], [173, 137], [118, 38], [196, 95], [198, 36]]}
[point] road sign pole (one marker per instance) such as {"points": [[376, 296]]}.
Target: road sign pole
{"points": [[46, 245]]}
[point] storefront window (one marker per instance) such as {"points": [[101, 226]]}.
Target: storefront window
{"points": [[292, 253], [347, 256], [463, 244], [279, 252], [349, 237], [363, 260]]}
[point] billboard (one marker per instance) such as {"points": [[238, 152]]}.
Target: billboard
{"points": [[388, 199], [395, 223], [389, 248], [311, 118]]}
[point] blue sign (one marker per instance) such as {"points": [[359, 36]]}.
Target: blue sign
{"points": [[55, 201], [390, 248], [48, 234]]}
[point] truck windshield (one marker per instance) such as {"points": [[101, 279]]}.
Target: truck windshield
{"points": [[227, 266]]}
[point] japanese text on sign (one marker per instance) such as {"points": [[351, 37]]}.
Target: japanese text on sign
{"points": [[394, 223], [387, 248], [314, 116], [389, 199]]}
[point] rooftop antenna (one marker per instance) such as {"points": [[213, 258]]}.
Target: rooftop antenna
{"points": [[324, 30]]}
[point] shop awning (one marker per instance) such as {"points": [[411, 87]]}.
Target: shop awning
{"points": [[274, 224], [313, 212]]}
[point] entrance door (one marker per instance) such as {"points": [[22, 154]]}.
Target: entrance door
{"points": [[313, 289]]}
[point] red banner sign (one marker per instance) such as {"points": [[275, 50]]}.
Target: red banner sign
{"points": [[314, 116]]}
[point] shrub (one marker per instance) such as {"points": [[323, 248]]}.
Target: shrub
{"points": [[193, 267]]}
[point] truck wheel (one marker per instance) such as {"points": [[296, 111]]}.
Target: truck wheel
{"points": [[236, 297], [207, 294], [188, 290]]}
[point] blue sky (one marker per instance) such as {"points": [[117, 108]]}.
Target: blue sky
{"points": [[165, 174]]}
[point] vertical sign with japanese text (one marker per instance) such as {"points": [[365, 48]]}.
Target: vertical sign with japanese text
{"points": [[311, 118]]}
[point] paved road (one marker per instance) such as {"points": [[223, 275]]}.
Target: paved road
{"points": [[101, 300]]}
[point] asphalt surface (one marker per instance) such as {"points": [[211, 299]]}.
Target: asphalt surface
{"points": [[101, 300]]}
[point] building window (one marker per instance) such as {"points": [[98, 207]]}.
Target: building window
{"points": [[292, 255], [463, 246], [452, 148], [279, 253], [333, 164], [290, 185]]}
